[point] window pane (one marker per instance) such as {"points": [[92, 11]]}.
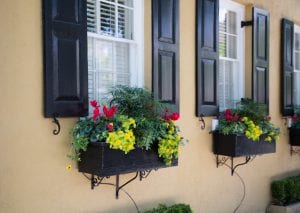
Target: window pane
{"points": [[227, 46], [297, 60], [107, 19], [108, 66], [297, 88], [231, 46], [125, 23], [91, 16], [222, 44], [227, 21], [297, 41], [229, 84], [128, 3]]}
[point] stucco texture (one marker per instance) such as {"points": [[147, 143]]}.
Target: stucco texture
{"points": [[33, 177]]}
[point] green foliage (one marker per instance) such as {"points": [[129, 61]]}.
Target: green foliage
{"points": [[227, 127], [135, 119], [286, 191], [87, 130], [253, 110], [140, 104], [177, 208], [296, 118], [249, 119]]}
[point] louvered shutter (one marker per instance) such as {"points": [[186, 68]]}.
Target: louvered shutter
{"points": [[260, 56], [287, 67], [165, 35], [65, 58], [207, 56]]}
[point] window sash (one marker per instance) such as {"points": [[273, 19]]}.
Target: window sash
{"points": [[235, 59]]}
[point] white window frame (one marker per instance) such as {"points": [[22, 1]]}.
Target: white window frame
{"points": [[296, 30], [239, 9], [136, 57]]}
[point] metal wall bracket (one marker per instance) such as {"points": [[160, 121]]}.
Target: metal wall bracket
{"points": [[57, 130], [202, 121], [98, 180], [293, 150], [246, 23], [233, 167]]}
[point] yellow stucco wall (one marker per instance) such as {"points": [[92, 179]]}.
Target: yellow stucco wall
{"points": [[32, 160]]}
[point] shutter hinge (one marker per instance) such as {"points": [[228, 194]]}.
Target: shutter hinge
{"points": [[57, 130], [202, 121], [246, 23]]}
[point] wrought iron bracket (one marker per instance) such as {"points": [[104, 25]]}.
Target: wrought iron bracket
{"points": [[57, 130], [98, 180], [246, 23], [293, 150], [223, 160], [202, 121]]}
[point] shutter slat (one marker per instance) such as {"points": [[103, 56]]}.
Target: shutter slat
{"points": [[287, 67], [165, 51], [207, 57], [260, 56], [65, 58]]}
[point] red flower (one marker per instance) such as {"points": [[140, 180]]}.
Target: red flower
{"points": [[295, 118], [96, 113], [109, 112], [110, 127], [235, 117], [228, 117], [227, 112], [94, 103], [174, 116]]}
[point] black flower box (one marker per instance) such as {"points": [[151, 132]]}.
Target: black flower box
{"points": [[239, 145], [294, 137], [100, 160]]}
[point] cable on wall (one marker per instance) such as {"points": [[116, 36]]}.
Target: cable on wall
{"points": [[114, 185]]}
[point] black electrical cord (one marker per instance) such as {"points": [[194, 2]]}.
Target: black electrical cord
{"points": [[111, 184], [244, 188]]}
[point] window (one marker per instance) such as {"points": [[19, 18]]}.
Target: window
{"points": [[231, 54], [296, 65], [115, 45]]}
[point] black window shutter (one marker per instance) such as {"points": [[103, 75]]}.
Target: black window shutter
{"points": [[65, 58], [165, 51], [207, 57], [260, 56], [287, 51]]}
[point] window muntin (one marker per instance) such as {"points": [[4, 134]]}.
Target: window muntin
{"points": [[115, 45], [296, 75], [231, 54]]}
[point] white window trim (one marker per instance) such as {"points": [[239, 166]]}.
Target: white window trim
{"points": [[296, 30], [240, 12]]}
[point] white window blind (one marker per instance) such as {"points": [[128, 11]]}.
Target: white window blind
{"points": [[114, 45], [231, 47], [297, 66]]}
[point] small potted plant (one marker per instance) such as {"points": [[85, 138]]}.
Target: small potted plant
{"points": [[285, 195], [295, 129], [136, 133], [245, 131]]}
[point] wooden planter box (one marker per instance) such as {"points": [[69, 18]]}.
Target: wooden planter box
{"points": [[240, 145], [294, 137], [100, 160]]}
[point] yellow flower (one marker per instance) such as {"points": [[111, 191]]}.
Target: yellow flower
{"points": [[68, 167]]}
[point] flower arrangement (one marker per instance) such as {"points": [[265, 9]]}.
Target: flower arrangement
{"points": [[296, 119], [249, 119], [135, 119]]}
